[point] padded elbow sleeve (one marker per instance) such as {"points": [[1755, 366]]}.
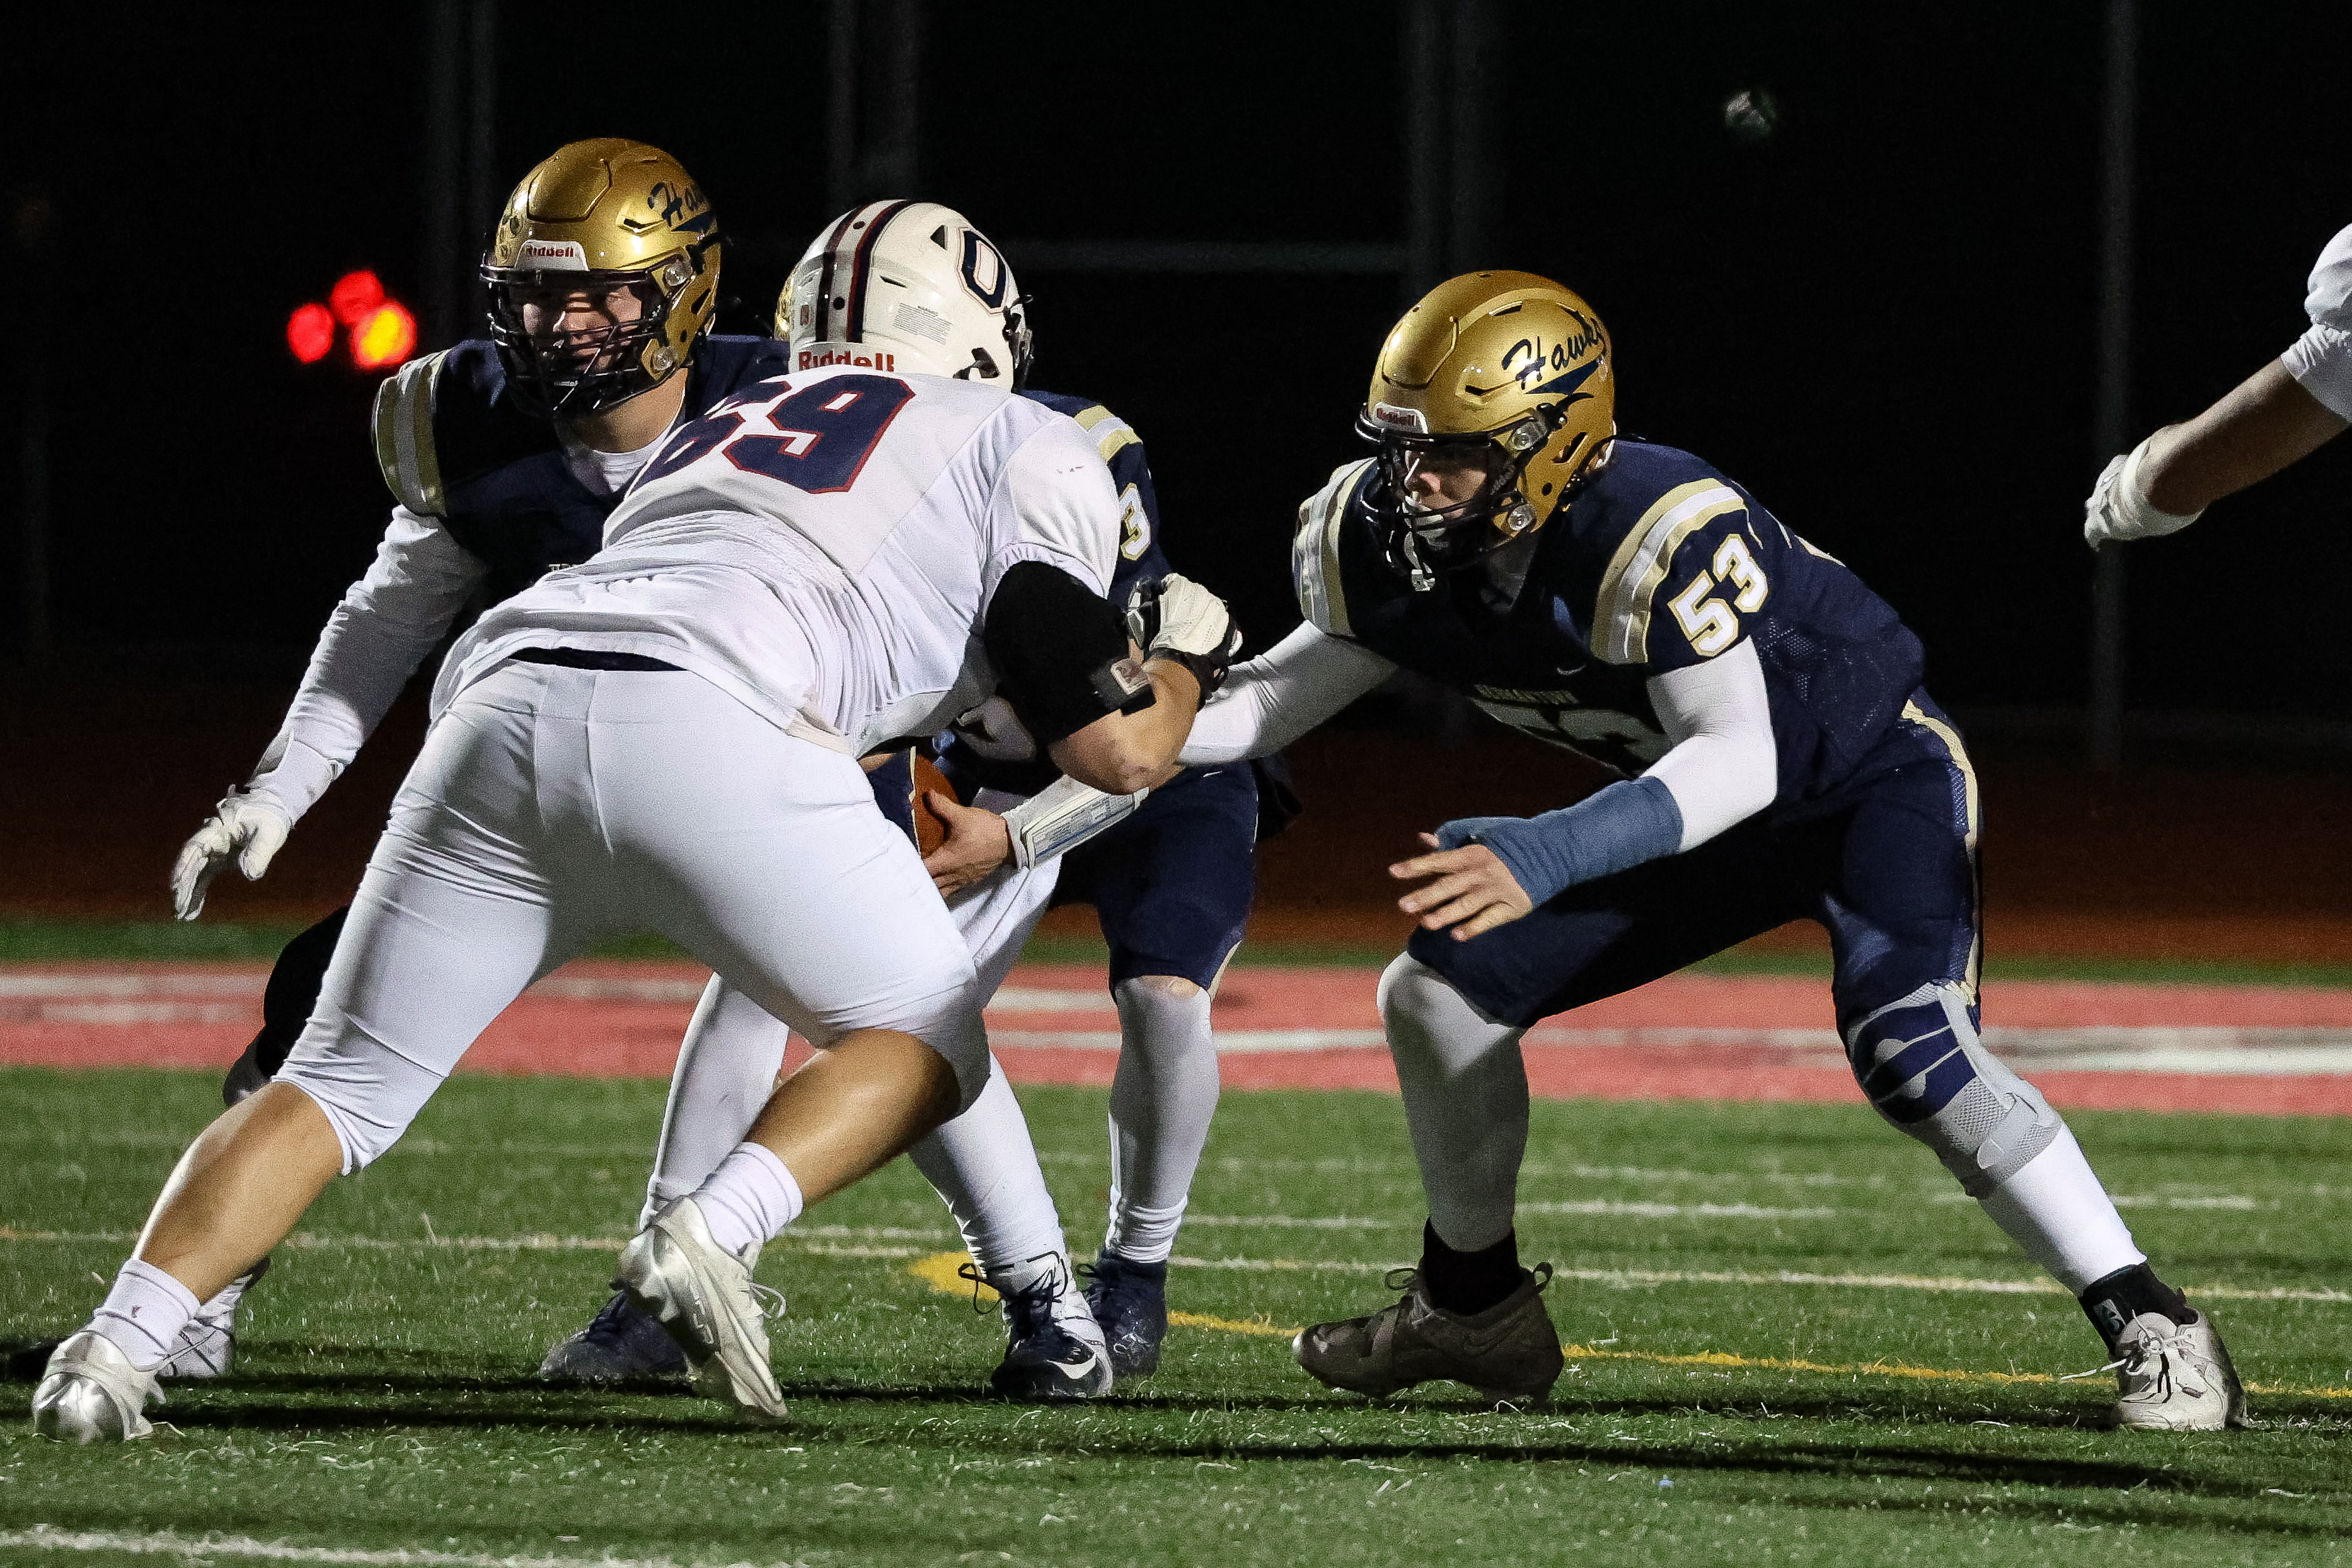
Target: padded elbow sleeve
{"points": [[1060, 652]]}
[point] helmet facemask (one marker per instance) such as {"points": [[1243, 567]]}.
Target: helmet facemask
{"points": [[1448, 501], [578, 343]]}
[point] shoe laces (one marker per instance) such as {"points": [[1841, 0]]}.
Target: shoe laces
{"points": [[1116, 1285], [768, 1299], [2162, 1356], [1029, 1308]]}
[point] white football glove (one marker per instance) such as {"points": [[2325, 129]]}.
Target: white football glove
{"points": [[2119, 509], [1177, 618], [248, 826]]}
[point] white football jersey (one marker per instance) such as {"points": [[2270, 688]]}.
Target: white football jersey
{"points": [[822, 546], [2321, 359]]}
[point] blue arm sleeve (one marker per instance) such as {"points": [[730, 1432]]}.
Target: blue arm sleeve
{"points": [[1631, 821]]}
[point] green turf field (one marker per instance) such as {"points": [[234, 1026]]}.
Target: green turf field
{"points": [[383, 1400]]}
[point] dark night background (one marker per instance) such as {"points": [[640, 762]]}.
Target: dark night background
{"points": [[1880, 318]]}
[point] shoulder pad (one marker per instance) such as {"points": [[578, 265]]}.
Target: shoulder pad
{"points": [[404, 435], [1111, 433], [1638, 567], [1315, 550]]}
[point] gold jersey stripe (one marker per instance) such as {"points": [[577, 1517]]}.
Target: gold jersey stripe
{"points": [[404, 435], [1621, 621], [1113, 442]]}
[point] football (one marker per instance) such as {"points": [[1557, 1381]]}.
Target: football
{"points": [[931, 828]]}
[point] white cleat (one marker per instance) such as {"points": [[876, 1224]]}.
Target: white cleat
{"points": [[207, 1345], [2176, 1377], [91, 1394], [709, 1302]]}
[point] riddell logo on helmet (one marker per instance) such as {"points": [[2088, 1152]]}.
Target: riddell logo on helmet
{"points": [[553, 255], [1394, 418], [817, 358]]}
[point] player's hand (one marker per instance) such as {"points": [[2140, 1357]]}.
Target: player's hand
{"points": [[1475, 891], [1177, 618], [248, 827], [2116, 511], [978, 842]]}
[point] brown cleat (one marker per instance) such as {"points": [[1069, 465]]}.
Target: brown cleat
{"points": [[1509, 1352]]}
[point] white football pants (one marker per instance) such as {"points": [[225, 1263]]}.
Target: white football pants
{"points": [[553, 808], [982, 1163]]}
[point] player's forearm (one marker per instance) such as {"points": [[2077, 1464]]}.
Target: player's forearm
{"points": [[1120, 754], [1273, 699], [2268, 422]]}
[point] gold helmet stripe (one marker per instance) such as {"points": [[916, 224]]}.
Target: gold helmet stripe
{"points": [[1621, 621]]}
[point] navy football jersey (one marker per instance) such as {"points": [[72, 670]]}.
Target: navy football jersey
{"points": [[1658, 563], [452, 445]]}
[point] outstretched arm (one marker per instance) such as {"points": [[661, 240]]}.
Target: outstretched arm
{"points": [[1723, 768], [1272, 700], [387, 623]]}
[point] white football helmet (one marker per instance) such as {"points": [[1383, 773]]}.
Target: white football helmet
{"points": [[909, 285]]}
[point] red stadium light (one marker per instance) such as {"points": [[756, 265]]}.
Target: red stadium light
{"points": [[354, 296], [310, 334], [384, 336]]}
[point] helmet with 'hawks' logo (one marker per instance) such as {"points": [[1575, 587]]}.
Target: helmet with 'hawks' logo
{"points": [[1492, 401], [602, 275], [907, 285]]}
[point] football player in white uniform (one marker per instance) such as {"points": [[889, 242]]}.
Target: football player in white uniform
{"points": [[913, 286], [666, 738], [2275, 417]]}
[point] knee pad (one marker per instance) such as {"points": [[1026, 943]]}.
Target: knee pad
{"points": [[369, 1094], [1426, 1017], [1922, 1065], [961, 1037]]}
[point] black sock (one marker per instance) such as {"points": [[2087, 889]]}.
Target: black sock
{"points": [[2113, 1302], [1468, 1282]]}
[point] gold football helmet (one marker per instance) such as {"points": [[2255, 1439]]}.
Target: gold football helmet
{"points": [[602, 275], [1492, 401]]}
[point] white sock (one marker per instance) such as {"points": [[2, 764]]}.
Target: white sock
{"points": [[144, 1312], [726, 1071], [1466, 1102], [984, 1165], [748, 1198], [1163, 1098], [2056, 1210]]}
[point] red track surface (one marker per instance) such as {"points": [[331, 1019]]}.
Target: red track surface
{"points": [[88, 1015]]}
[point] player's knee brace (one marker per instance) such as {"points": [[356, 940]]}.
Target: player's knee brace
{"points": [[369, 1095], [1922, 1065]]}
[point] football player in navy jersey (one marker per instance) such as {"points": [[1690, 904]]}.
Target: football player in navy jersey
{"points": [[504, 459], [910, 286], [1780, 759]]}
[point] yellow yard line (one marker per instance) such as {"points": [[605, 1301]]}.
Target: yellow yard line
{"points": [[938, 1271]]}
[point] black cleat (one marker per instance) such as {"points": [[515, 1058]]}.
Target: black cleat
{"points": [[1129, 1301], [620, 1344]]}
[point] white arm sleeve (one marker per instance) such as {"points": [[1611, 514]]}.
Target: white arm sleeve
{"points": [[1723, 767], [388, 621], [2321, 359], [1276, 698], [1065, 508]]}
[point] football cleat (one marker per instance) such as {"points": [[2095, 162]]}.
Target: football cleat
{"points": [[619, 1344], [91, 1394], [1129, 1301], [2175, 1377], [1509, 1352], [707, 1301], [1054, 1348], [208, 1342]]}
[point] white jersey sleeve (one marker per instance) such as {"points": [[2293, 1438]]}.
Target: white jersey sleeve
{"points": [[1064, 506], [387, 623], [2321, 359]]}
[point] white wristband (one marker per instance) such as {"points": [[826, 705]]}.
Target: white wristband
{"points": [[2141, 520], [1063, 815]]}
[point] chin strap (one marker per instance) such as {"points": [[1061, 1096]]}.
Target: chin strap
{"points": [[1063, 815]]}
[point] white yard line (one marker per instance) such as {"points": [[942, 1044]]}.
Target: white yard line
{"points": [[169, 1543]]}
